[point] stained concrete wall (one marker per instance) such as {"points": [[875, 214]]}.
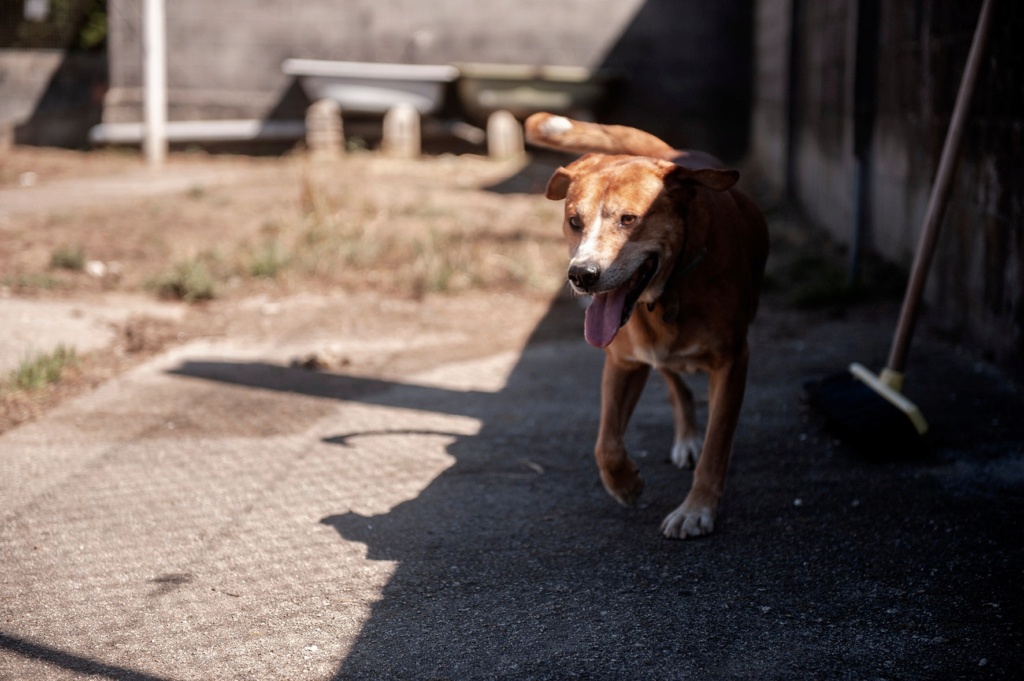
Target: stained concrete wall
{"points": [[24, 76], [803, 129], [687, 61], [769, 116], [50, 96]]}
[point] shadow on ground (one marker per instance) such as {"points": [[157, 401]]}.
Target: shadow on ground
{"points": [[515, 563]]}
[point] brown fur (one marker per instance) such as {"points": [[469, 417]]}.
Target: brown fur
{"points": [[711, 242]]}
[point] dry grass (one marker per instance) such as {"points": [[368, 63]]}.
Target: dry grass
{"points": [[408, 228], [277, 227], [418, 243]]}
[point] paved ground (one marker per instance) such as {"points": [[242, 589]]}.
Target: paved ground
{"points": [[216, 514], [429, 509], [34, 326], [130, 183]]}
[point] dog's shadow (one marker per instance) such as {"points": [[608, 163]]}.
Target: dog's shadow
{"points": [[512, 560], [515, 556]]}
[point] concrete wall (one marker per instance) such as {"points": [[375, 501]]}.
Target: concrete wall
{"points": [[50, 96], [976, 289], [25, 75], [769, 117], [688, 61]]}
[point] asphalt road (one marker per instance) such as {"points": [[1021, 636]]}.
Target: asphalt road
{"points": [[217, 514]]}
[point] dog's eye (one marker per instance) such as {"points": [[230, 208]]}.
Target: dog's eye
{"points": [[575, 223], [627, 219]]}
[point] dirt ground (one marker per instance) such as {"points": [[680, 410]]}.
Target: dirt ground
{"points": [[230, 237], [215, 244], [277, 225]]}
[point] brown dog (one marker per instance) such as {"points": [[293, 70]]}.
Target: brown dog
{"points": [[672, 254]]}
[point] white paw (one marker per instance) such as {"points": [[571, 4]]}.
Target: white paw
{"points": [[685, 452], [555, 125], [687, 522]]}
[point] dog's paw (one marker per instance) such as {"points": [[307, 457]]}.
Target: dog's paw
{"points": [[689, 521], [685, 452], [625, 487]]}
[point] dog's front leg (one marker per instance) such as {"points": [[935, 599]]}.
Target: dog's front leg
{"points": [[696, 516], [621, 386]]}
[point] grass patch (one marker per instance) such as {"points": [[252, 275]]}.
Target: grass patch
{"points": [[32, 281], [335, 241], [267, 260], [443, 263], [197, 192], [338, 233], [41, 370], [190, 280], [418, 245], [68, 257]]}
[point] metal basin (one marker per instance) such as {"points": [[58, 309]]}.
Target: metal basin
{"points": [[373, 88], [523, 89]]}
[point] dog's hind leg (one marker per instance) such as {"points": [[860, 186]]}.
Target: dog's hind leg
{"points": [[688, 440], [621, 386]]}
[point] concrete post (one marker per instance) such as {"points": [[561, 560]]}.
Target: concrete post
{"points": [[504, 137], [325, 136], [402, 132]]}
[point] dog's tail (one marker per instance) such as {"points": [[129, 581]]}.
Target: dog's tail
{"points": [[565, 134]]}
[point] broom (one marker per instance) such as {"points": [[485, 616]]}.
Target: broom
{"points": [[858, 402]]}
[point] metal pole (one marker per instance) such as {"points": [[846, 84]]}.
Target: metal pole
{"points": [[154, 48]]}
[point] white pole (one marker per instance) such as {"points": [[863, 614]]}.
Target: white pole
{"points": [[154, 49]]}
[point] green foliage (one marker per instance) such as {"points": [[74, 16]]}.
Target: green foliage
{"points": [[69, 257], [70, 24], [190, 280], [267, 260], [41, 370], [93, 34]]}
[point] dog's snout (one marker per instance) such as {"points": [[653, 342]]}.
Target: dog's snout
{"points": [[584, 276]]}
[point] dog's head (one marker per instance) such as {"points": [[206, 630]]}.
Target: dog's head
{"points": [[624, 226]]}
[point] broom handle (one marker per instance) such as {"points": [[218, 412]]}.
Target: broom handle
{"points": [[939, 196]]}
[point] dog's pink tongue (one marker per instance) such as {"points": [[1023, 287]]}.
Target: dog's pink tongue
{"points": [[603, 316]]}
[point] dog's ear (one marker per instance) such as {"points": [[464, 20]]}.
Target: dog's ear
{"points": [[715, 179], [558, 185]]}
